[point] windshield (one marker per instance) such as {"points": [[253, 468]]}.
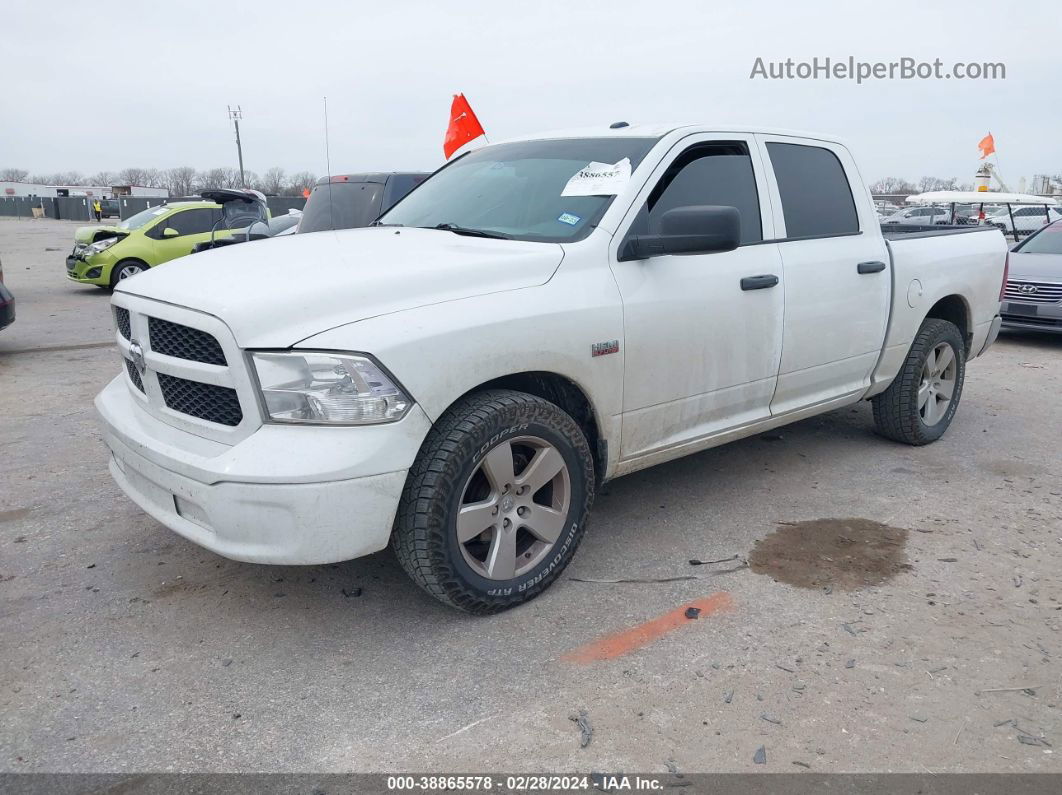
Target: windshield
{"points": [[241, 213], [1047, 241], [341, 205], [514, 190], [143, 217]]}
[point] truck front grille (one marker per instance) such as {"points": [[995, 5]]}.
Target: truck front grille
{"points": [[134, 376], [185, 369], [1033, 320], [1033, 292], [121, 320], [183, 342], [206, 401]]}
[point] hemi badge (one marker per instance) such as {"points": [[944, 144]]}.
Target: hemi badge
{"points": [[604, 348]]}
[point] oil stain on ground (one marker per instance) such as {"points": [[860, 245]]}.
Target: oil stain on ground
{"points": [[843, 553]]}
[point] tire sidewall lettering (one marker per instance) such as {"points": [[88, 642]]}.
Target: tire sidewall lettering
{"points": [[562, 552]]}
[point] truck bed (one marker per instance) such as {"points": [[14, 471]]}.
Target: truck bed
{"points": [[902, 232], [929, 263]]}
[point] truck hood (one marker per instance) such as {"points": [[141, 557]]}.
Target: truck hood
{"points": [[274, 293], [1036, 267]]}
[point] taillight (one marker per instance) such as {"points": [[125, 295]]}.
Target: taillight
{"points": [[1006, 273]]}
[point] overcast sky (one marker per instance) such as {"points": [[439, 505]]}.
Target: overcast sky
{"points": [[109, 85]]}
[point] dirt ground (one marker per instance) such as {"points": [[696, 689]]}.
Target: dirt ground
{"points": [[900, 608]]}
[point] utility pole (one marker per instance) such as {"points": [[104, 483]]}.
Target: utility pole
{"points": [[236, 115]]}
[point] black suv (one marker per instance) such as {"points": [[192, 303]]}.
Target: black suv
{"points": [[346, 201]]}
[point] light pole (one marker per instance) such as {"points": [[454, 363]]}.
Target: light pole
{"points": [[236, 115]]}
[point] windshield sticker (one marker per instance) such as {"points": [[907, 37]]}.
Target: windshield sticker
{"points": [[571, 219], [599, 179]]}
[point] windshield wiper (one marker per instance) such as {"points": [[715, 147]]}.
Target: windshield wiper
{"points": [[381, 223], [464, 230]]}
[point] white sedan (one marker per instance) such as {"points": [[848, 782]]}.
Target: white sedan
{"points": [[1028, 218], [919, 216]]}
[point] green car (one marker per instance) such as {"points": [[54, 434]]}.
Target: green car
{"points": [[104, 255]]}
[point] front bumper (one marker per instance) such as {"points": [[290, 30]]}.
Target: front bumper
{"points": [[94, 270], [281, 495], [1032, 316]]}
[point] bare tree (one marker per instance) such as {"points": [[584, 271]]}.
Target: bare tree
{"points": [[211, 178], [936, 183], [298, 182], [219, 178], [273, 181], [70, 178], [180, 181], [102, 178], [13, 175], [890, 185], [133, 176]]}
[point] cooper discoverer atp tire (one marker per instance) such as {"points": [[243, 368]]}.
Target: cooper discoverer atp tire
{"points": [[921, 401], [496, 503]]}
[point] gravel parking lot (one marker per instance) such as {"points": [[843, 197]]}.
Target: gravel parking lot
{"points": [[922, 632]]}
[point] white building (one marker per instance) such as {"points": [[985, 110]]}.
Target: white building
{"points": [[91, 191]]}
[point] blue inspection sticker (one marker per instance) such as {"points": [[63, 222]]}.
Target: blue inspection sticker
{"points": [[571, 219]]}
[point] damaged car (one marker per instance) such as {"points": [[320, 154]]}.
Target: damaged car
{"points": [[106, 255]]}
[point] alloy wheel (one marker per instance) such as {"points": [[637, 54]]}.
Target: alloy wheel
{"points": [[937, 386], [514, 506]]}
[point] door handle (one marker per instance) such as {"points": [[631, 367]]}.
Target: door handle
{"points": [[874, 266], [759, 282]]}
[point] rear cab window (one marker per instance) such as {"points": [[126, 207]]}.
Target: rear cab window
{"points": [[816, 197], [341, 204]]}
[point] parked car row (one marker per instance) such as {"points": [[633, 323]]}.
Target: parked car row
{"points": [[1025, 218], [105, 255]]}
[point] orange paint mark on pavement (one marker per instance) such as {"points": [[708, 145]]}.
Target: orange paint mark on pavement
{"points": [[620, 643]]}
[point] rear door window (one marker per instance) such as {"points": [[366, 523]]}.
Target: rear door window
{"points": [[816, 197], [191, 222]]}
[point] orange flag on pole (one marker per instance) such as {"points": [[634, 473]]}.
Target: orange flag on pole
{"points": [[987, 146], [464, 126]]}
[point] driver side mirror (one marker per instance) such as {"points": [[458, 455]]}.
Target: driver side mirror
{"points": [[698, 229], [169, 231]]}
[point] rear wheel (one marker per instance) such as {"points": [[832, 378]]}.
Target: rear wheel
{"points": [[126, 269], [920, 403], [496, 503]]}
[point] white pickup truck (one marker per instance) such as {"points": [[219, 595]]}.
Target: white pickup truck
{"points": [[538, 317]]}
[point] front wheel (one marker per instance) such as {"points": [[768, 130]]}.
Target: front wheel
{"points": [[496, 502], [920, 403], [125, 270]]}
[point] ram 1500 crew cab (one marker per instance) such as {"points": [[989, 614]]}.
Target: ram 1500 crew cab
{"points": [[537, 317]]}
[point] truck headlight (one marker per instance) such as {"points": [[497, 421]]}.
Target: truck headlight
{"points": [[328, 388], [100, 245]]}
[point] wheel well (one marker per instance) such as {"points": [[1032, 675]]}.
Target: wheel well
{"points": [[953, 309], [566, 394], [112, 277]]}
